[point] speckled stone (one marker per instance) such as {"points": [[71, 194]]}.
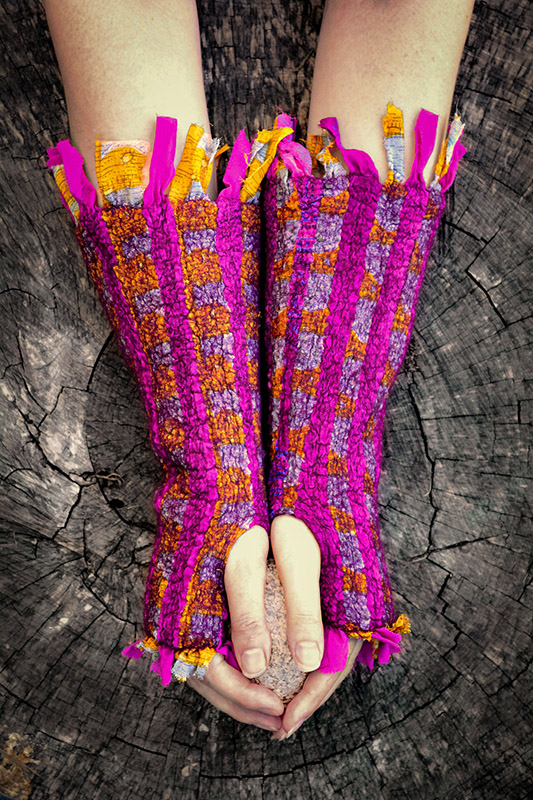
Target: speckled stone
{"points": [[283, 675]]}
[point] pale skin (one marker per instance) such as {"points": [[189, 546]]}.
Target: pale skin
{"points": [[124, 63]]}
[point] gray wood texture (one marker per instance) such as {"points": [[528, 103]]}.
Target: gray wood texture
{"points": [[451, 717]]}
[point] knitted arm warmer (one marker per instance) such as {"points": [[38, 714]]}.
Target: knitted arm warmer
{"points": [[178, 277], [345, 260]]}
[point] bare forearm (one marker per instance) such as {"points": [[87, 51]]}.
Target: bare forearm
{"points": [[374, 51], [125, 62]]}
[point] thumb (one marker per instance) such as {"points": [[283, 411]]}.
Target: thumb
{"points": [[297, 556], [245, 577]]}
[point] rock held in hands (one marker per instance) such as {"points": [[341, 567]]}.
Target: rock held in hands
{"points": [[283, 675]]}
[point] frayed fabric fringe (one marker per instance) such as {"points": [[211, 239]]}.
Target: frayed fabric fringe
{"points": [[319, 152], [378, 645], [182, 665], [132, 173]]}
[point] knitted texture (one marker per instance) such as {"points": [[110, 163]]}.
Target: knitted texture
{"points": [[345, 260], [178, 277]]}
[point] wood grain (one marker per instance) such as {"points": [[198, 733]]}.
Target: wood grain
{"points": [[450, 718]]}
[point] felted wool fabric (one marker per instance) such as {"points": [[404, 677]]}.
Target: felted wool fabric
{"points": [[346, 256], [177, 274]]}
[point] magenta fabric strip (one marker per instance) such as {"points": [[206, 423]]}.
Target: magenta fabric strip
{"points": [[389, 643], [230, 248], [425, 132], [80, 186], [236, 168], [357, 161], [132, 651], [349, 270], [283, 121], [54, 158], [336, 650], [163, 664], [162, 161], [295, 157], [226, 649]]}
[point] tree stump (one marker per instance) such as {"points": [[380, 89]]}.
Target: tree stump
{"points": [[450, 717]]}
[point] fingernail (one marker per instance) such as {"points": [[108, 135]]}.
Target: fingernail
{"points": [[295, 728], [253, 662], [308, 655]]}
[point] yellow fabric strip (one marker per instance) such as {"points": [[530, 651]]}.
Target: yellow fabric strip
{"points": [[196, 163], [448, 146], [393, 121], [393, 132], [263, 153], [121, 166], [188, 166], [314, 144]]}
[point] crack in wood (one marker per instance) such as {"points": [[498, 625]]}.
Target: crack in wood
{"points": [[454, 722]]}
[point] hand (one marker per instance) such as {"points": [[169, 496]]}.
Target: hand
{"points": [[318, 688], [223, 685], [297, 557]]}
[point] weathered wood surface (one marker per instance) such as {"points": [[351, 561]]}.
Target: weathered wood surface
{"points": [[451, 717]]}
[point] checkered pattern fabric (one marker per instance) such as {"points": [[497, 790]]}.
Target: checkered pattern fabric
{"points": [[345, 260], [178, 276]]}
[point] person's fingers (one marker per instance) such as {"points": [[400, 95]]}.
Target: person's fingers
{"points": [[234, 687], [244, 579], [313, 694], [297, 557], [317, 689], [234, 710]]}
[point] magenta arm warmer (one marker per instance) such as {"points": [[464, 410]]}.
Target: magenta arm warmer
{"points": [[177, 274], [345, 261]]}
